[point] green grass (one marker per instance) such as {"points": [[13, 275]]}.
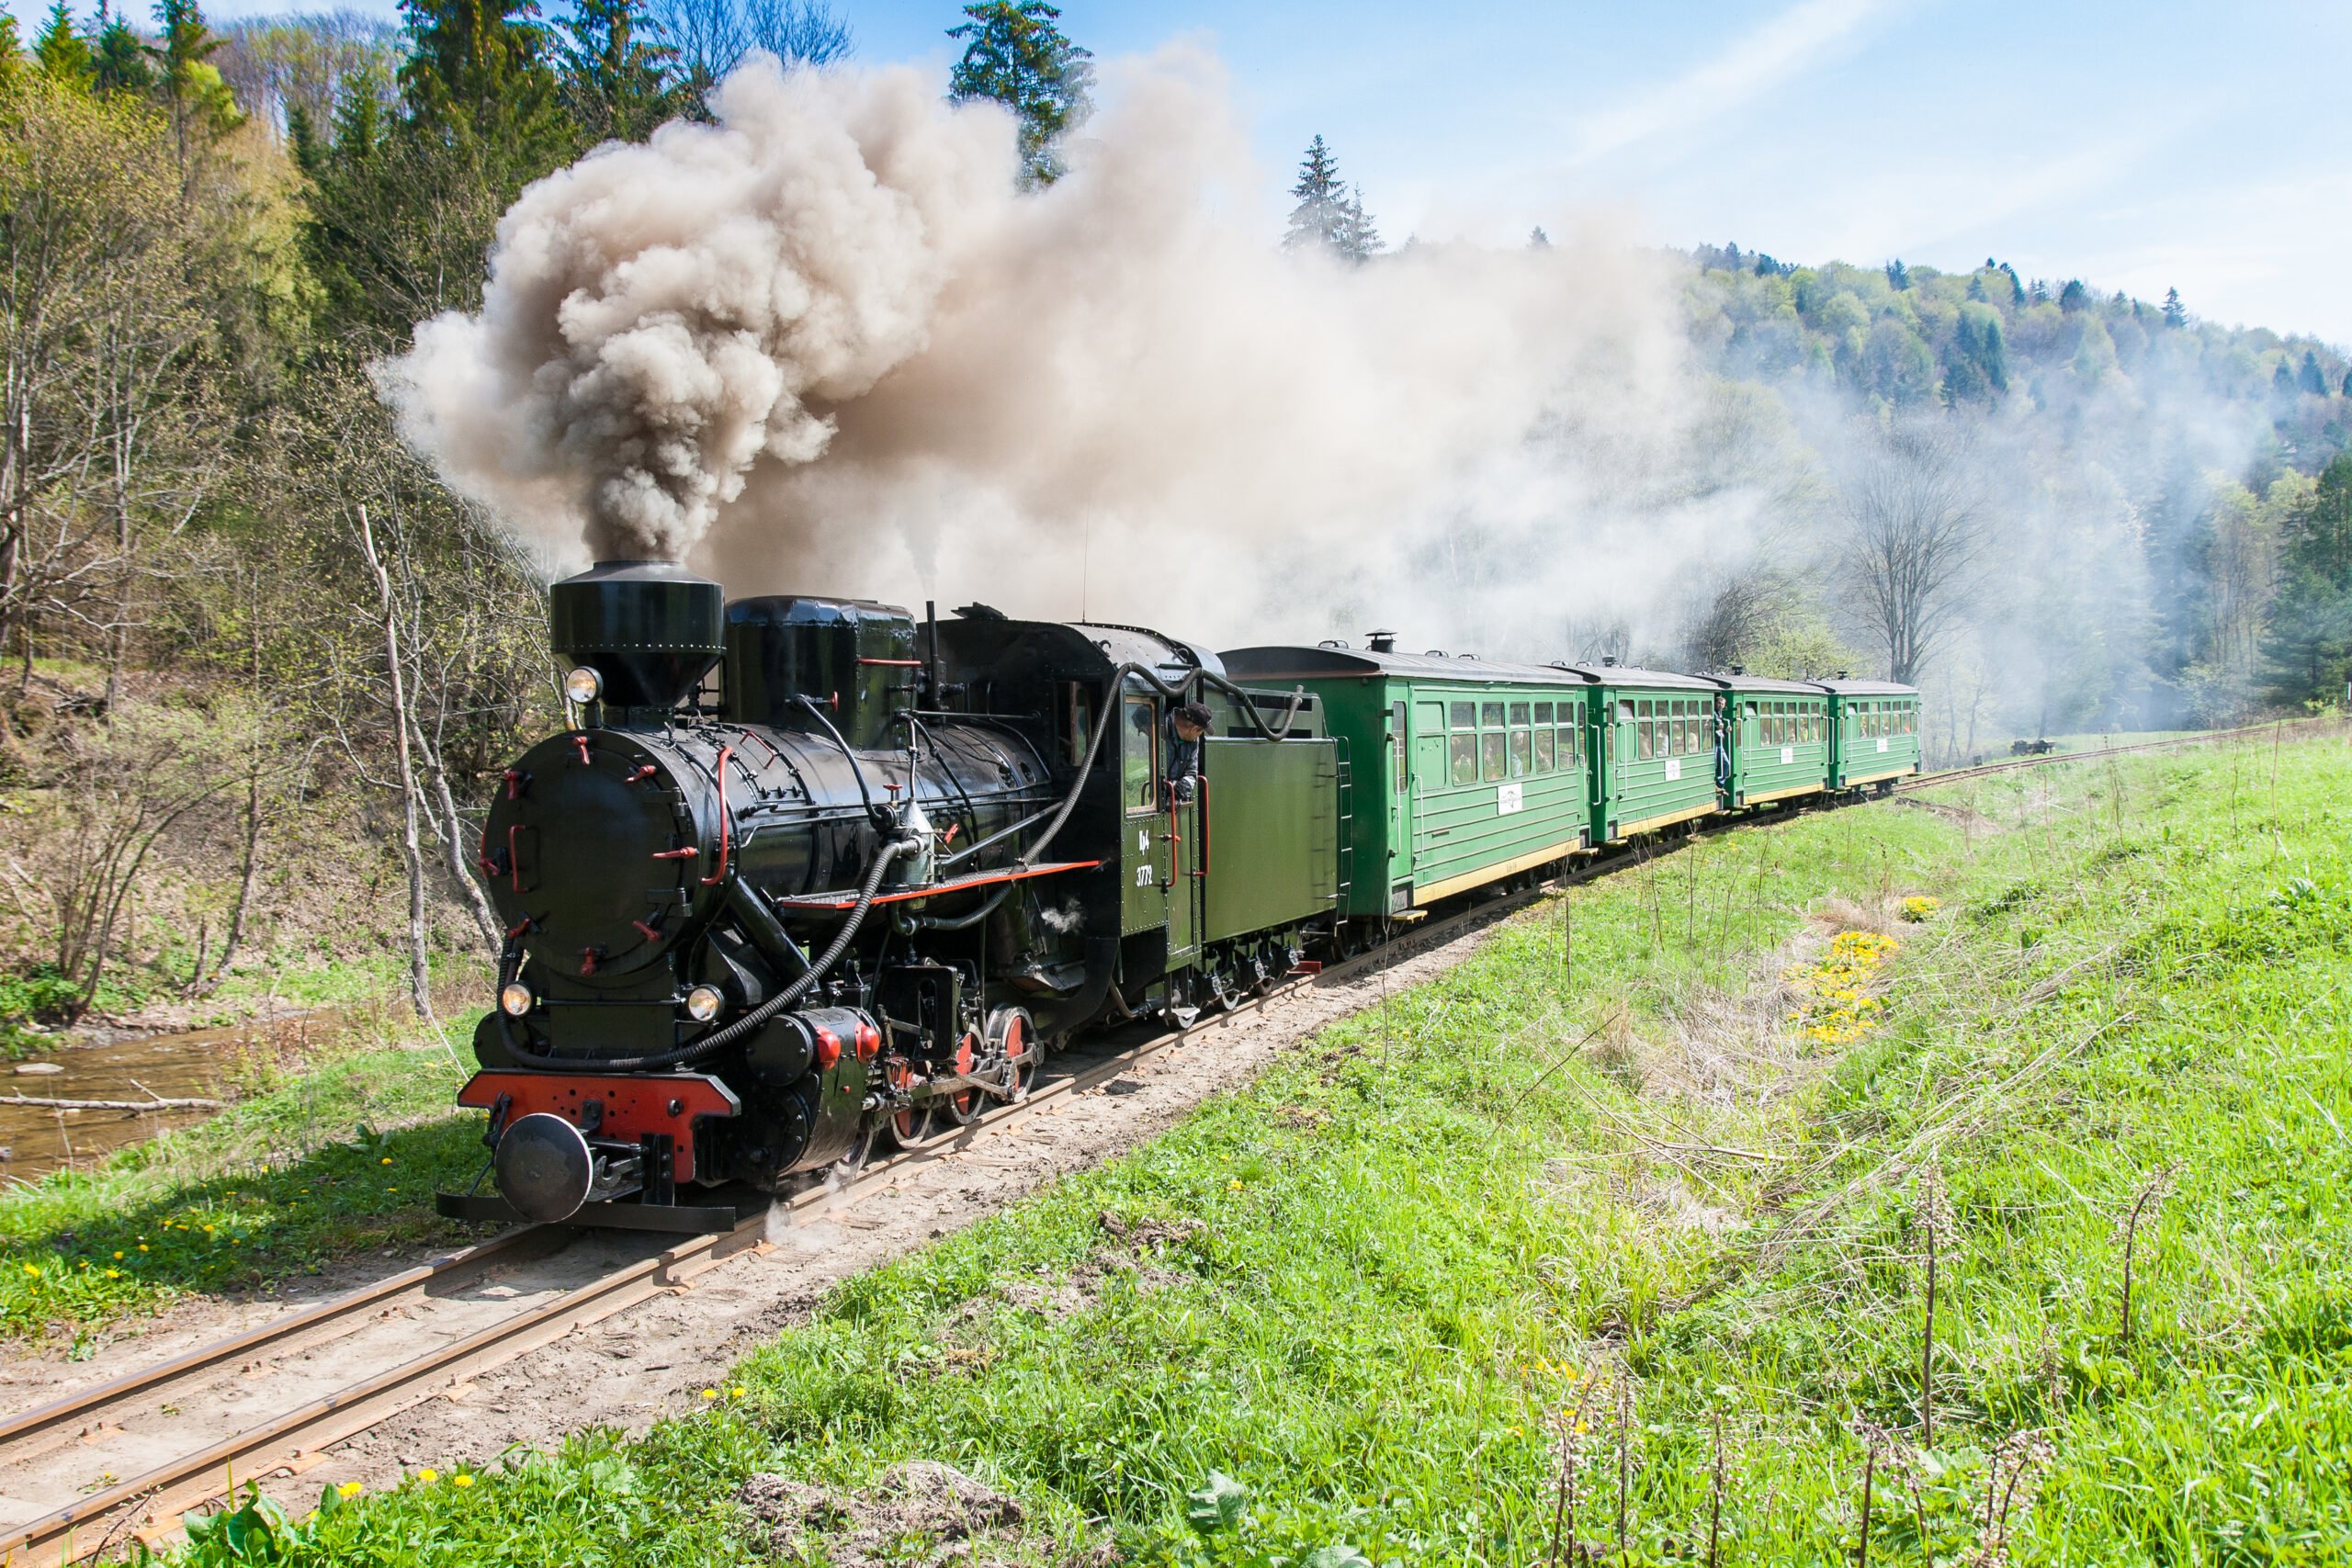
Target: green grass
{"points": [[339, 1155], [1503, 1195]]}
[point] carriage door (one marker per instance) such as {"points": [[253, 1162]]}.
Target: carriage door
{"points": [[1144, 851]]}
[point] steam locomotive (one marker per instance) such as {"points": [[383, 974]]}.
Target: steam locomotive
{"points": [[804, 873]]}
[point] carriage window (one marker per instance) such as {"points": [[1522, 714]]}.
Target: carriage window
{"points": [[1466, 715], [1519, 713], [1490, 715], [1141, 783], [1642, 739], [1543, 713], [1567, 749], [1491, 755], [1543, 753], [1520, 757], [1396, 745], [1463, 759]]}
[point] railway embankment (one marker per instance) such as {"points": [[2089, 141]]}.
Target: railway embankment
{"points": [[1975, 1177]]}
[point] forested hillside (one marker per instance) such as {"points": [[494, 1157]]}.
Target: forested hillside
{"points": [[263, 663]]}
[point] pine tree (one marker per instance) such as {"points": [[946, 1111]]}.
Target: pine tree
{"points": [[202, 107], [2282, 381], [1898, 276], [617, 84], [2016, 288], [12, 52], [1321, 215], [1976, 286], [61, 53], [1359, 240], [2309, 377], [1018, 56], [1537, 240], [2347, 383], [2039, 293], [2073, 298], [117, 58], [2176, 313]]}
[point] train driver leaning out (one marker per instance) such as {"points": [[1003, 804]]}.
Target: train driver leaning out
{"points": [[1187, 725]]}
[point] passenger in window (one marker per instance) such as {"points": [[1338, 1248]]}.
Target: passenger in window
{"points": [[1186, 725]]}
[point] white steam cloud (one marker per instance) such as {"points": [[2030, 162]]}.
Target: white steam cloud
{"points": [[826, 344]]}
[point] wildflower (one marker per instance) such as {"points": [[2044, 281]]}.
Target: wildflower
{"points": [[710, 1394], [114, 1273], [349, 1489], [142, 1247], [32, 1270], [1233, 1186], [461, 1480], [207, 1230], [428, 1475], [736, 1391], [117, 1258], [384, 1162]]}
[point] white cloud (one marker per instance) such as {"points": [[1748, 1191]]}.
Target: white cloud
{"points": [[1757, 63]]}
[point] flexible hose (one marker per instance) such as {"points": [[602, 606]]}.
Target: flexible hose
{"points": [[712, 1043]]}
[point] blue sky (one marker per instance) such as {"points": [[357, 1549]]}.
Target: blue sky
{"points": [[2138, 146]]}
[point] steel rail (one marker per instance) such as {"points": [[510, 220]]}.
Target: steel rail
{"points": [[294, 1440]]}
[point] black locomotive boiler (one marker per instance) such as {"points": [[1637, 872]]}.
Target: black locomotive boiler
{"points": [[804, 873]]}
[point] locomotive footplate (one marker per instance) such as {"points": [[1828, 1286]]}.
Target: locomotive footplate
{"points": [[734, 1205]]}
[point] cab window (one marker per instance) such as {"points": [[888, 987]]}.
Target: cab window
{"points": [[1140, 785]]}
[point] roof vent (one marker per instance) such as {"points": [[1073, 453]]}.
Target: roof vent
{"points": [[1338, 642], [1436, 653], [1608, 661], [1841, 675], [1380, 641], [1739, 669], [1465, 656]]}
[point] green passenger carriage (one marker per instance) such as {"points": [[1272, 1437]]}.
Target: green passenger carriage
{"points": [[1462, 773], [1875, 733], [1779, 735], [1652, 744]]}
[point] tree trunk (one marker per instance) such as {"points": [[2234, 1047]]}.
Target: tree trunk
{"points": [[420, 976], [449, 823]]}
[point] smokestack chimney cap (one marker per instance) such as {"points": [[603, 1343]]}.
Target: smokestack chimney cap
{"points": [[1608, 661], [1382, 641], [650, 629], [1739, 669]]}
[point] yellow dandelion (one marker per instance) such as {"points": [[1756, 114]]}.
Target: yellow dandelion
{"points": [[114, 1273], [461, 1480], [142, 1247], [118, 1257], [710, 1394], [349, 1489], [386, 1161], [1234, 1186], [30, 1270], [736, 1391], [428, 1475]]}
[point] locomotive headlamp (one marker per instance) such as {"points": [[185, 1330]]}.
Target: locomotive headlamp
{"points": [[703, 1003], [515, 999], [583, 685]]}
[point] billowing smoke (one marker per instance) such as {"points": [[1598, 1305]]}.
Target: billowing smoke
{"points": [[827, 343]]}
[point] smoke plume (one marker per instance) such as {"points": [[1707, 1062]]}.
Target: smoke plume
{"points": [[827, 343]]}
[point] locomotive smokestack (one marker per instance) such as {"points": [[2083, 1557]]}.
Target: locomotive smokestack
{"points": [[650, 629]]}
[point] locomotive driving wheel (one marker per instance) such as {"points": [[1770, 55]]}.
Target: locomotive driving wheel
{"points": [[961, 1106], [1012, 1038], [910, 1126]]}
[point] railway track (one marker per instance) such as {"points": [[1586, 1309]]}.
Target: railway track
{"points": [[150, 1503], [2012, 764]]}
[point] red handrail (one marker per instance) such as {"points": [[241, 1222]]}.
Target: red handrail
{"points": [[719, 773]]}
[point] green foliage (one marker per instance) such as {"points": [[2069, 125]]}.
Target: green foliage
{"points": [[617, 84], [61, 53], [1016, 54]]}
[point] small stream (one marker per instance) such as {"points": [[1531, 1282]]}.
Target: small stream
{"points": [[187, 1064]]}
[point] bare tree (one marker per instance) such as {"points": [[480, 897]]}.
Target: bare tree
{"points": [[712, 36], [1914, 540]]}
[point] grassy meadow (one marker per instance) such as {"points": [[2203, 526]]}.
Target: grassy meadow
{"points": [[1614, 1243]]}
